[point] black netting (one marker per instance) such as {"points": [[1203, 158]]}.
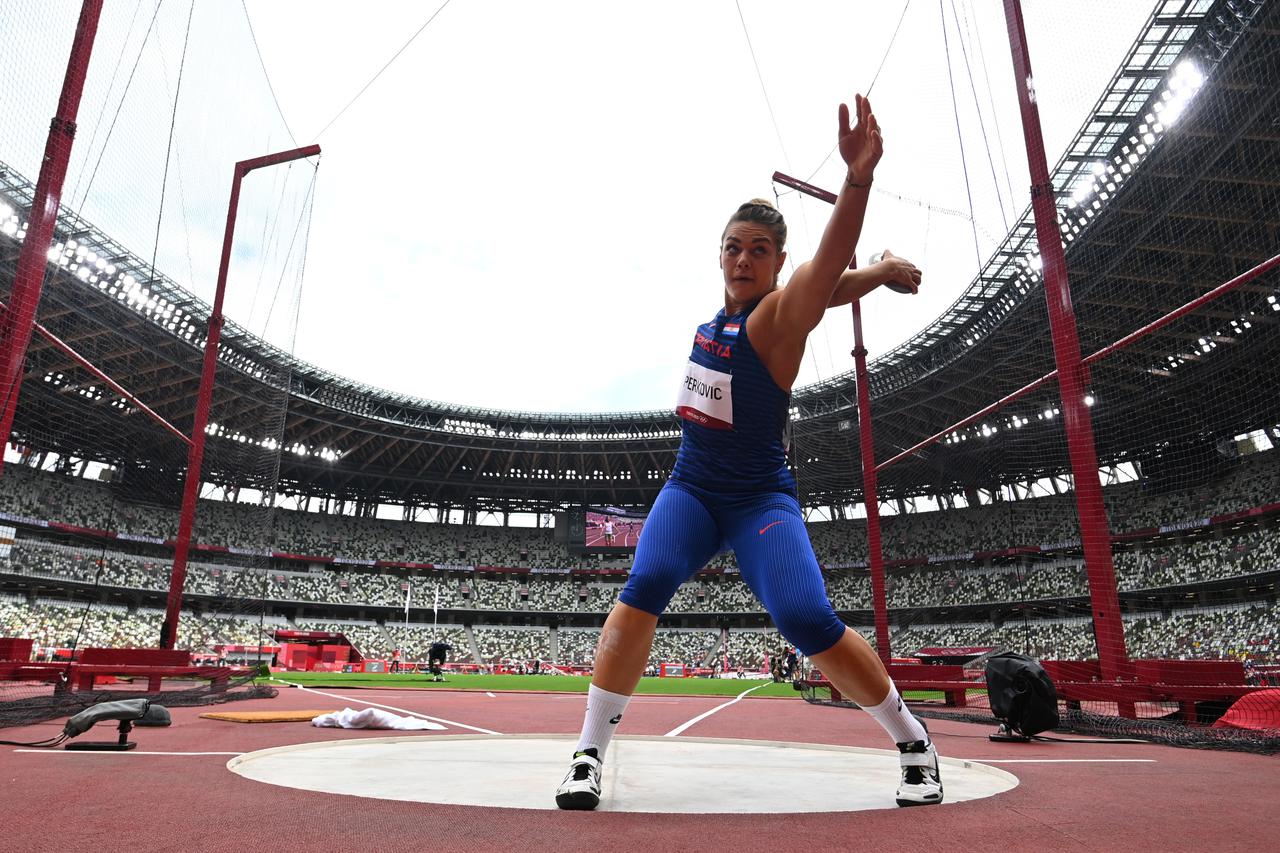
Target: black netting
{"points": [[96, 464]]}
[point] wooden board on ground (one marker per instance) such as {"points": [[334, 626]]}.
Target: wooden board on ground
{"points": [[265, 716]]}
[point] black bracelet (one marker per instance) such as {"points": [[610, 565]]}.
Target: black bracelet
{"points": [[848, 180]]}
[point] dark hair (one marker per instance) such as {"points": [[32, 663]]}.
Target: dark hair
{"points": [[763, 212]]}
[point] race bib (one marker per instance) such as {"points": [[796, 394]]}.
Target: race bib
{"points": [[706, 397]]}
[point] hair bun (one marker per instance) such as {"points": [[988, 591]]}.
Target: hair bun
{"points": [[762, 212]]}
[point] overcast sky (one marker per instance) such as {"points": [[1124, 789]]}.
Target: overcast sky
{"points": [[523, 211]]}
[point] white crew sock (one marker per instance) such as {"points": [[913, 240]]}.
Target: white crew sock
{"points": [[604, 712], [893, 715]]}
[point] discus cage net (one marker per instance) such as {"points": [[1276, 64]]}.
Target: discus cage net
{"points": [[1165, 203], [95, 466]]}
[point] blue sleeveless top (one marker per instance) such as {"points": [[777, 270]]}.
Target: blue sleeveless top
{"points": [[734, 415]]}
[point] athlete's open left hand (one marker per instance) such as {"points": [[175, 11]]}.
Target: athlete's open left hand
{"points": [[860, 145]]}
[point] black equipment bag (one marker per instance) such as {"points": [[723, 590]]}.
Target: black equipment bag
{"points": [[1022, 695]]}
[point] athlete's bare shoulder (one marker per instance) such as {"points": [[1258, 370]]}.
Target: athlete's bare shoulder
{"points": [[779, 351]]}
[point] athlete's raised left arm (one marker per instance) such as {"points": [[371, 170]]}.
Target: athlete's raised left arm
{"points": [[800, 305]]}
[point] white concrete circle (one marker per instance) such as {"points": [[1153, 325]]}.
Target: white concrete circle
{"points": [[641, 774]]}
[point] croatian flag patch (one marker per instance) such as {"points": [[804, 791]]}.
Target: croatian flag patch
{"points": [[731, 329]]}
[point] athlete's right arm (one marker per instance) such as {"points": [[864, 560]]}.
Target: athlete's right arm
{"points": [[855, 284]]}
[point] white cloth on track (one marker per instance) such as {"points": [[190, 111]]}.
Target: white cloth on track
{"points": [[373, 718]]}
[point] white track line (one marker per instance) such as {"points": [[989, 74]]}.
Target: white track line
{"points": [[1059, 760], [118, 752], [681, 728], [391, 708]]}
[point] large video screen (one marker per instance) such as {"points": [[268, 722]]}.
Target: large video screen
{"points": [[614, 530]]}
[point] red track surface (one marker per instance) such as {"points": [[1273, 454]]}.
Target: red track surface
{"points": [[1186, 800]]}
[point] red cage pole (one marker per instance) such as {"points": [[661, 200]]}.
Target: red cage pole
{"points": [[866, 442], [1072, 380], [17, 321], [195, 456]]}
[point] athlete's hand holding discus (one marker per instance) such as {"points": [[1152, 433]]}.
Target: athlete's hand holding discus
{"points": [[896, 273], [751, 257]]}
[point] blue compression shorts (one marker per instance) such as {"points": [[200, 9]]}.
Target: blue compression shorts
{"points": [[688, 526]]}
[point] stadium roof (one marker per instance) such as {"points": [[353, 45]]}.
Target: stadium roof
{"points": [[1196, 206]]}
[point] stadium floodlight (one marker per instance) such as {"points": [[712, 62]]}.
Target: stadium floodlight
{"points": [[1190, 74], [1088, 399], [1185, 81]]}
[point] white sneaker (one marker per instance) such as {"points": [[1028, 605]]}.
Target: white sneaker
{"points": [[921, 781], [581, 787]]}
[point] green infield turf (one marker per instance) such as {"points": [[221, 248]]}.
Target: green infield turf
{"points": [[553, 683]]}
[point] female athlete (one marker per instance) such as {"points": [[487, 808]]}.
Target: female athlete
{"points": [[731, 484]]}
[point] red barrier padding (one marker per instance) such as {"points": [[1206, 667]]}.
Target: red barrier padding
{"points": [[931, 672], [1189, 671], [1072, 670], [136, 657], [14, 648]]}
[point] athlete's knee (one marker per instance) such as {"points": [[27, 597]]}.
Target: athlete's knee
{"points": [[810, 627], [649, 592]]}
